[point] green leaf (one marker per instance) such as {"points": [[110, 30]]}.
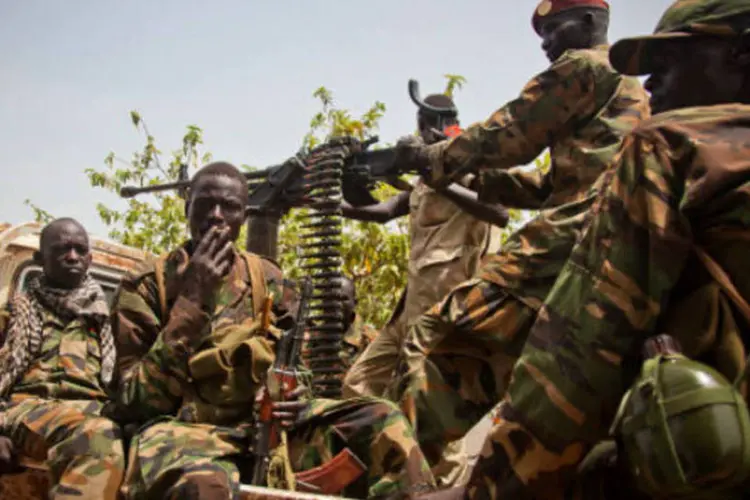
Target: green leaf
{"points": [[135, 118]]}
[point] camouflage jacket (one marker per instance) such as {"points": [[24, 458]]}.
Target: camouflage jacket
{"points": [[154, 378], [580, 108], [67, 365]]}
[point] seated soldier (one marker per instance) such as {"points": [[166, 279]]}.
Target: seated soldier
{"points": [[670, 233], [190, 330], [55, 368]]}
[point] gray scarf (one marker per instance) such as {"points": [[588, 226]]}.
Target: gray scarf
{"points": [[24, 337]]}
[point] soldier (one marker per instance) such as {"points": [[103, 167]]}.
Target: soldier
{"points": [[458, 356], [669, 233], [55, 371], [191, 330], [448, 237]]}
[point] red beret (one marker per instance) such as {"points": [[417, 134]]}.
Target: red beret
{"points": [[452, 130], [550, 7]]}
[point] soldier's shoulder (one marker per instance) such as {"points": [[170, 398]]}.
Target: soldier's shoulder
{"points": [[586, 64], [271, 268], [586, 58]]}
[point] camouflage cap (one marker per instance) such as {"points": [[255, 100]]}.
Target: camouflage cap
{"points": [[684, 18]]}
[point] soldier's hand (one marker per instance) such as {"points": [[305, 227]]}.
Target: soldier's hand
{"points": [[208, 265], [8, 457], [411, 154], [287, 412]]}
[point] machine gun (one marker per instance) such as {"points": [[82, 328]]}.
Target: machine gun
{"points": [[281, 186], [284, 377], [276, 189]]}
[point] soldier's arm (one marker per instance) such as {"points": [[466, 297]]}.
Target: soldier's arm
{"points": [[517, 133], [516, 187], [392, 208], [152, 355], [468, 201]]}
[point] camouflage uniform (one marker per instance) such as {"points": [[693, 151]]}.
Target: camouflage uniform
{"points": [[181, 454], [53, 414], [446, 248], [458, 356]]}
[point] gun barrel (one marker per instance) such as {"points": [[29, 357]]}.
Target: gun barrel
{"points": [[131, 191]]}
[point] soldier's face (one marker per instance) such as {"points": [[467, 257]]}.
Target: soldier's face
{"points": [[699, 71], [216, 200], [65, 255], [425, 125], [565, 31]]}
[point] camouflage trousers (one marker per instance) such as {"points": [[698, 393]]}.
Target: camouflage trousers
{"points": [[83, 450], [179, 460], [456, 360], [371, 374]]}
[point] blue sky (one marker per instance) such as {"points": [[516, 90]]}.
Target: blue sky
{"points": [[243, 70]]}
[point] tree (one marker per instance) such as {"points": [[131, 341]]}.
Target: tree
{"points": [[40, 215]]}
